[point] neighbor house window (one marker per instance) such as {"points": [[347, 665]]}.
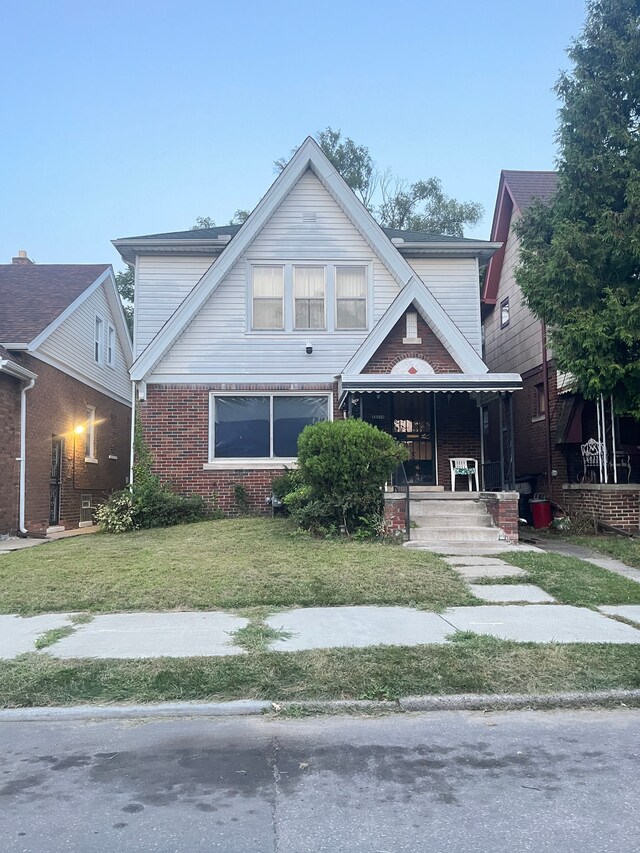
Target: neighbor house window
{"points": [[351, 297], [504, 313], [111, 346], [263, 426], [98, 339], [268, 297], [90, 435], [309, 297]]}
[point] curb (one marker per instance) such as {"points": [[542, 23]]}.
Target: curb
{"points": [[249, 707]]}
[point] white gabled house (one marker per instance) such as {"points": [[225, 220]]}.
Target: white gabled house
{"points": [[309, 310]]}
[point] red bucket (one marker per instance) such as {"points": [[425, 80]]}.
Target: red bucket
{"points": [[541, 511]]}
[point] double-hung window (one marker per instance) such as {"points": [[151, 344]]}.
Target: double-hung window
{"points": [[111, 345], [351, 297], [90, 435], [262, 426], [98, 339], [267, 297], [309, 297]]}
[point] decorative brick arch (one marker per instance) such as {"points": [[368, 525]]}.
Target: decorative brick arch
{"points": [[412, 364], [393, 350]]}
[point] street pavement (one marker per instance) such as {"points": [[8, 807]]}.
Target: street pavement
{"points": [[450, 781]]}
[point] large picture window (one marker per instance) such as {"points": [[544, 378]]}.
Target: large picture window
{"points": [[308, 297], [262, 426], [268, 297], [351, 298]]}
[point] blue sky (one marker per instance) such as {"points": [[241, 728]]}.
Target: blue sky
{"points": [[127, 118]]}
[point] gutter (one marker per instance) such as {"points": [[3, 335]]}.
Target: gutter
{"points": [[23, 452], [133, 433], [547, 404]]}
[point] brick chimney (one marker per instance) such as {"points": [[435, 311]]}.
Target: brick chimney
{"points": [[22, 258]]}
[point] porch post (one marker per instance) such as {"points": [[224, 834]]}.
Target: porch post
{"points": [[501, 440], [481, 411], [512, 449]]}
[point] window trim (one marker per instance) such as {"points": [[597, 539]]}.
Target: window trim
{"points": [[505, 304], [539, 414], [274, 265], [110, 351], [90, 433], [240, 462], [98, 338]]}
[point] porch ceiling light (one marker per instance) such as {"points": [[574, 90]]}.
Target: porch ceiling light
{"points": [[79, 429]]}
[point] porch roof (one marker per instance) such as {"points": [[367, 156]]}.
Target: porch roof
{"points": [[387, 383]]}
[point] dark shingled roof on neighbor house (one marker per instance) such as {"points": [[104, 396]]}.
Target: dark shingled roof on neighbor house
{"points": [[525, 186], [33, 295]]}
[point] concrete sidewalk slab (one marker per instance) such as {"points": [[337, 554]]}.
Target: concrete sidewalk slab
{"points": [[152, 635], [330, 627], [19, 634], [610, 563], [17, 543], [531, 623], [511, 592], [627, 611], [474, 573]]}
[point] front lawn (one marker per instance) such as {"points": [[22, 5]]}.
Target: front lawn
{"points": [[233, 563], [471, 664], [573, 581]]}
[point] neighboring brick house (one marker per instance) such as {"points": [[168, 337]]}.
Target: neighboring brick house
{"points": [[65, 402], [309, 310], [550, 420]]}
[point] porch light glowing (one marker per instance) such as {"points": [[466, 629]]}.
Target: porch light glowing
{"points": [[79, 429]]}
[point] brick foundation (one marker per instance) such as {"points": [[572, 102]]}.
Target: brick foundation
{"points": [[617, 505], [395, 514], [503, 509]]}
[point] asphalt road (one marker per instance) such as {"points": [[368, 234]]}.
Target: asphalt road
{"points": [[450, 781]]}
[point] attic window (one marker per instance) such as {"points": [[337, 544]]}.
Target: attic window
{"points": [[411, 336], [310, 218], [504, 313]]}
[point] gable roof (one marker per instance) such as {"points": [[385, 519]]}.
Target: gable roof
{"points": [[516, 192], [308, 156], [415, 293], [32, 296]]}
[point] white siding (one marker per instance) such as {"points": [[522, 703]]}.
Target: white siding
{"points": [[217, 341], [516, 348], [454, 283], [162, 282], [71, 345]]}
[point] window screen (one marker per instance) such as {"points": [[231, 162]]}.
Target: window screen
{"points": [[290, 416], [308, 294], [351, 297], [241, 427], [268, 297]]}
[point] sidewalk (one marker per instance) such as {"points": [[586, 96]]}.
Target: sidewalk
{"points": [[517, 612]]}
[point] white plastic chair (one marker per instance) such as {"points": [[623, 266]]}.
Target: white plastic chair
{"points": [[462, 467]]}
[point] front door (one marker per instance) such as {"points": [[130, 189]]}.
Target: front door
{"points": [[54, 481], [409, 419]]}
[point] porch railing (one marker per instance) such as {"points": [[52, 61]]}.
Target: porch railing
{"points": [[492, 477], [401, 484]]}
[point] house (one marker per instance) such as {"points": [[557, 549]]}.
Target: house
{"points": [[65, 394], [551, 421], [309, 310]]}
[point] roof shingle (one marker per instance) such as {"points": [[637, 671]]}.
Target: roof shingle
{"points": [[33, 295], [525, 186]]}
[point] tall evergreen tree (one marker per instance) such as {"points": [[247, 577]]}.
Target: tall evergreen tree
{"points": [[580, 255]]}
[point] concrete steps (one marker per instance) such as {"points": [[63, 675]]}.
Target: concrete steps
{"points": [[443, 523]]}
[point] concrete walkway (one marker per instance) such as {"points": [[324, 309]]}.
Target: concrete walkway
{"points": [[18, 543], [590, 556]]}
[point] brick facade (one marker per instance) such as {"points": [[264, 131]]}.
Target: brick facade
{"points": [[9, 452], [55, 405], [503, 509], [395, 514], [458, 433], [617, 505], [394, 350], [175, 420]]}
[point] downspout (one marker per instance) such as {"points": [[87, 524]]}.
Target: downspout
{"points": [[133, 432], [23, 453], [547, 405]]}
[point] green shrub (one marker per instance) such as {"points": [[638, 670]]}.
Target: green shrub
{"points": [[286, 483], [241, 498], [343, 466]]}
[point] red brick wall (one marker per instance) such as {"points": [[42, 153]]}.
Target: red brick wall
{"points": [[9, 451], [175, 420], [55, 405], [615, 505], [393, 350], [458, 433], [395, 515], [503, 509]]}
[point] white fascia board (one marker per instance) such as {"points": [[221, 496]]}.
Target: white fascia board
{"points": [[14, 369], [197, 297], [294, 381], [74, 374], [48, 330], [434, 316]]}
